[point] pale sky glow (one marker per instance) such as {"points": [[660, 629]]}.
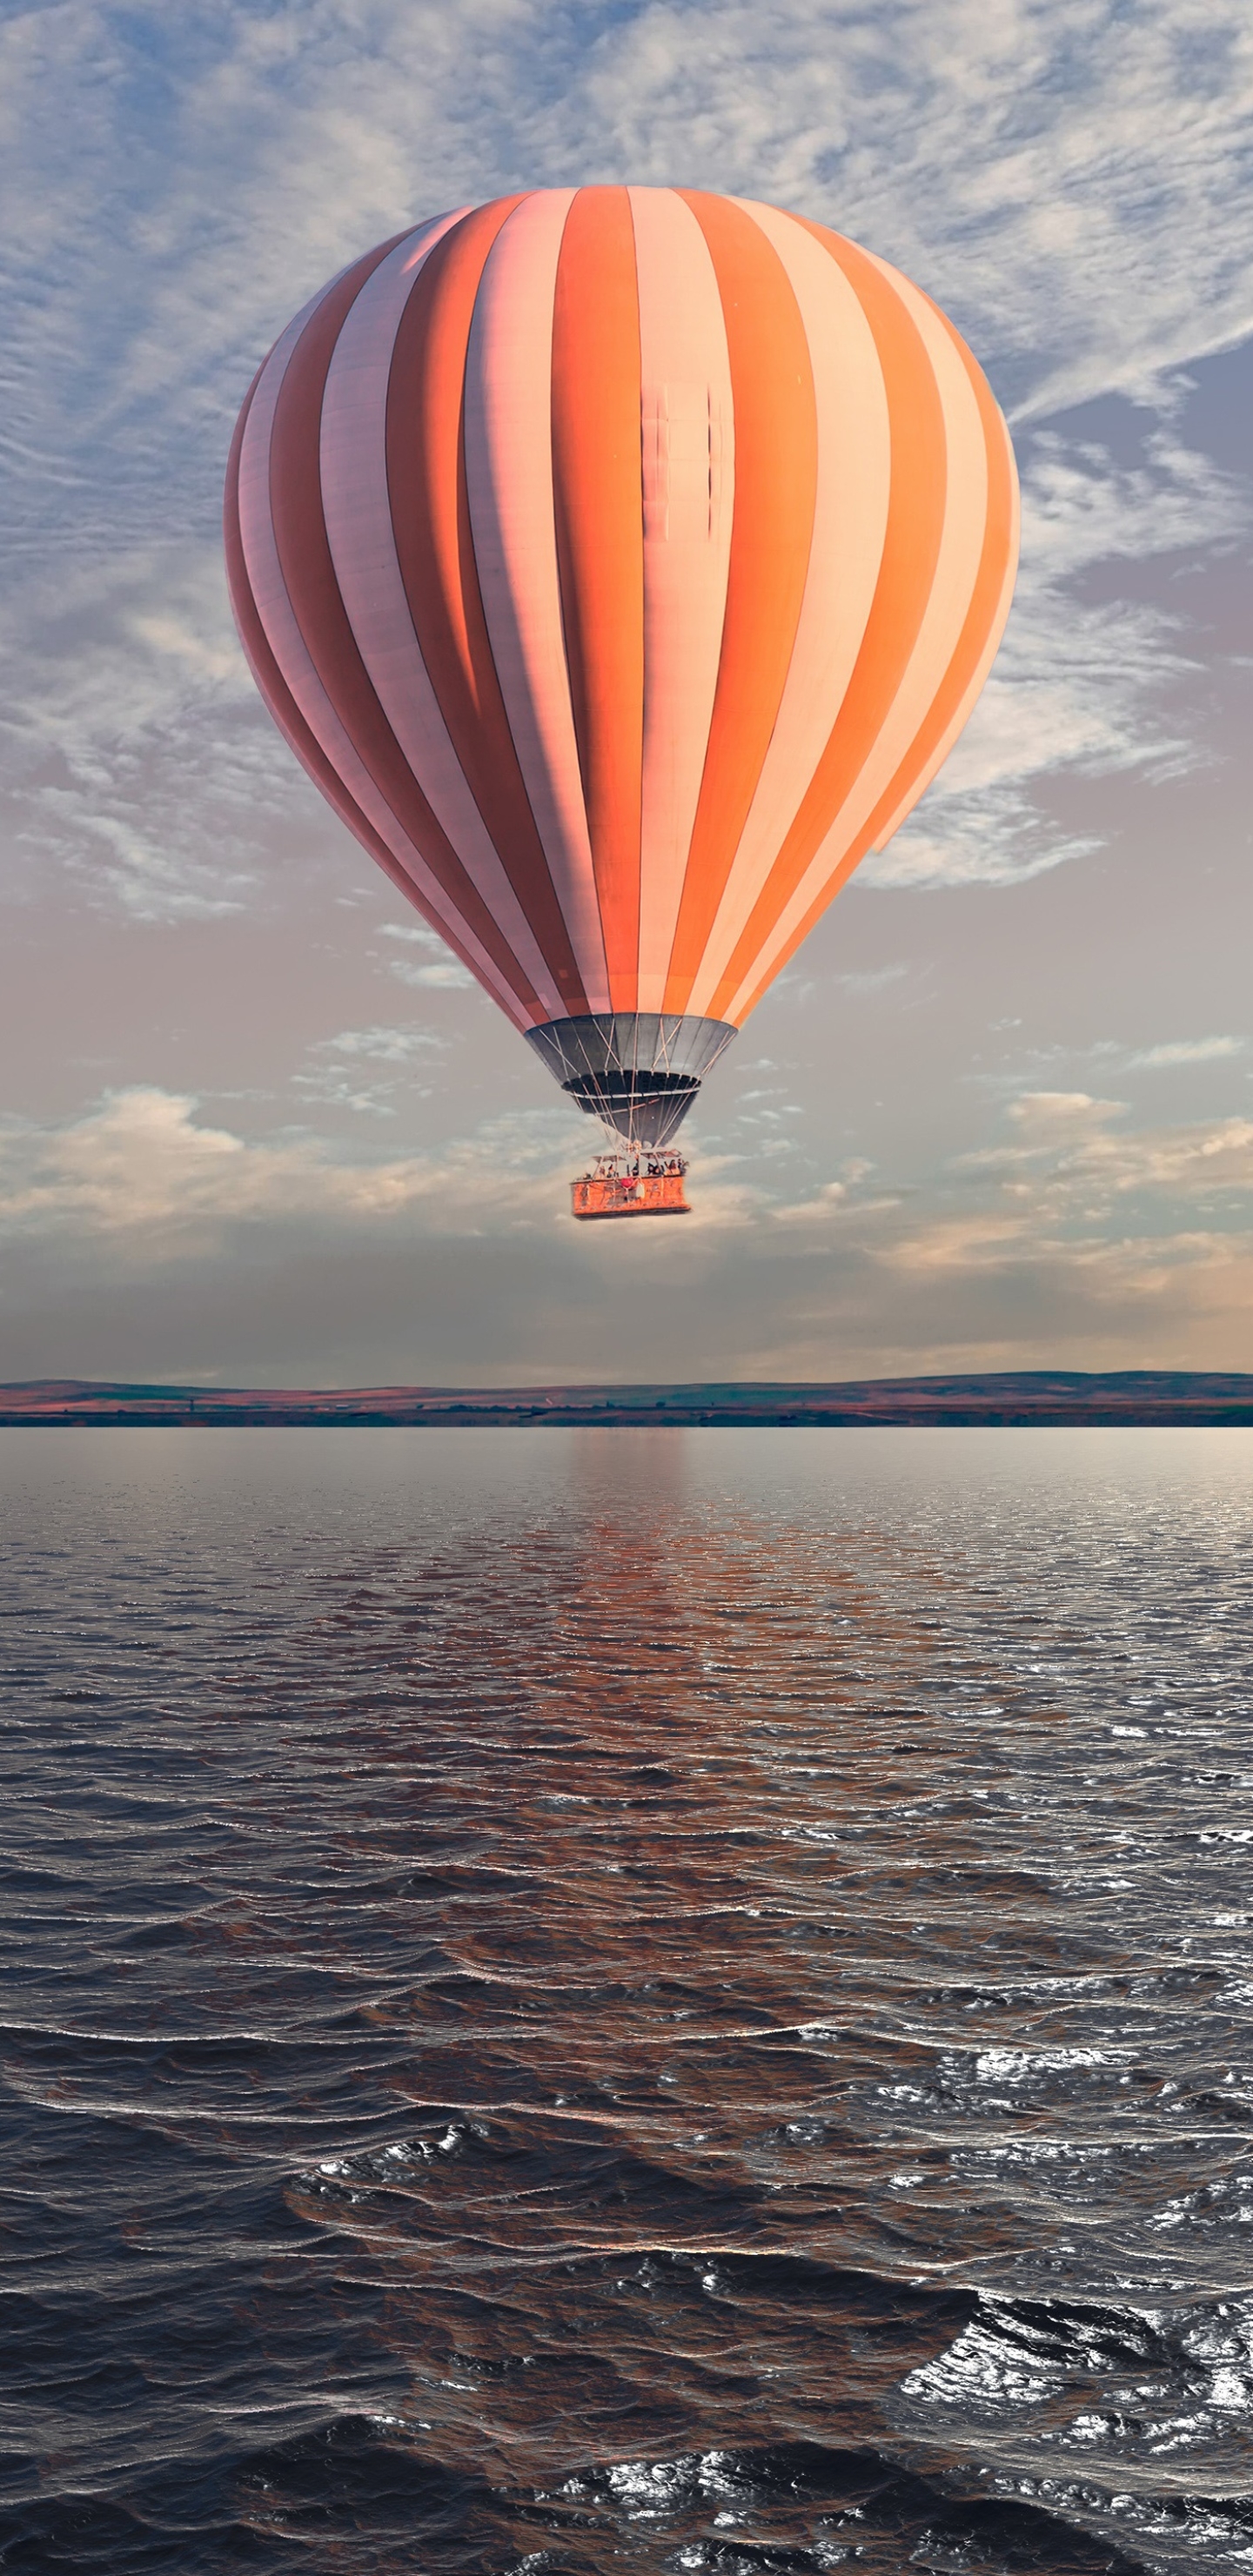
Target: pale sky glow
{"points": [[253, 1123]]}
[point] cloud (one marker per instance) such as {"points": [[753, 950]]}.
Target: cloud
{"points": [[445, 974], [811, 1211], [1069, 1220], [441, 973], [1069, 1161], [1176, 1051], [1072, 1242], [867, 983], [1074, 1239], [1063, 174], [140, 1173], [1071, 178], [1072, 181], [1080, 687], [383, 1045], [1103, 1058], [141, 1169], [341, 1084]]}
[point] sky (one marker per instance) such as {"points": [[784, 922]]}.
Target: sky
{"points": [[256, 1125]]}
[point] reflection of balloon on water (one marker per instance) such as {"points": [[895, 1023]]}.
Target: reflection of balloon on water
{"points": [[621, 563]]}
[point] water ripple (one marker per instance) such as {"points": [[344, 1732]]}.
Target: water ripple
{"points": [[673, 2000]]}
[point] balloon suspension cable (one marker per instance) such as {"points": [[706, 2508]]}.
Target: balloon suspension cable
{"points": [[637, 1073]]}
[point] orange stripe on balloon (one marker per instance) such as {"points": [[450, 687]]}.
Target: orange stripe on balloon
{"points": [[776, 480], [600, 549], [431, 523], [910, 552], [688, 496], [297, 732]]}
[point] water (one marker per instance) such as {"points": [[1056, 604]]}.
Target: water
{"points": [[642, 2000]]}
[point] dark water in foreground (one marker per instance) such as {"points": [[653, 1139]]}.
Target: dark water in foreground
{"points": [[628, 2000]]}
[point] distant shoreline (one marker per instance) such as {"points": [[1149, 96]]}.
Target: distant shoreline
{"points": [[1047, 1398]]}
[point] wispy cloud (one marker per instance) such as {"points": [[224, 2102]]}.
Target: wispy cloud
{"points": [[443, 974], [365, 1070], [144, 1174], [1104, 1059], [1071, 178], [1069, 1158], [1177, 1051], [439, 972], [1074, 1235], [1065, 174], [383, 1045], [1082, 684]]}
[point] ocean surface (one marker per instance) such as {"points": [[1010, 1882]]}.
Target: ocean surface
{"points": [[627, 2001]]}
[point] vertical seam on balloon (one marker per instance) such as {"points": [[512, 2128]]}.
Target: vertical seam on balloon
{"points": [[301, 739], [460, 676], [750, 725], [833, 780], [299, 527]]}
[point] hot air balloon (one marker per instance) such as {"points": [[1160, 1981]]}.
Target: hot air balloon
{"points": [[621, 563]]}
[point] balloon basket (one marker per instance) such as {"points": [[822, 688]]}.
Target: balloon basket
{"points": [[631, 1184]]}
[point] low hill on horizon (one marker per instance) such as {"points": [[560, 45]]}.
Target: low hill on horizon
{"points": [[1204, 1398]]}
